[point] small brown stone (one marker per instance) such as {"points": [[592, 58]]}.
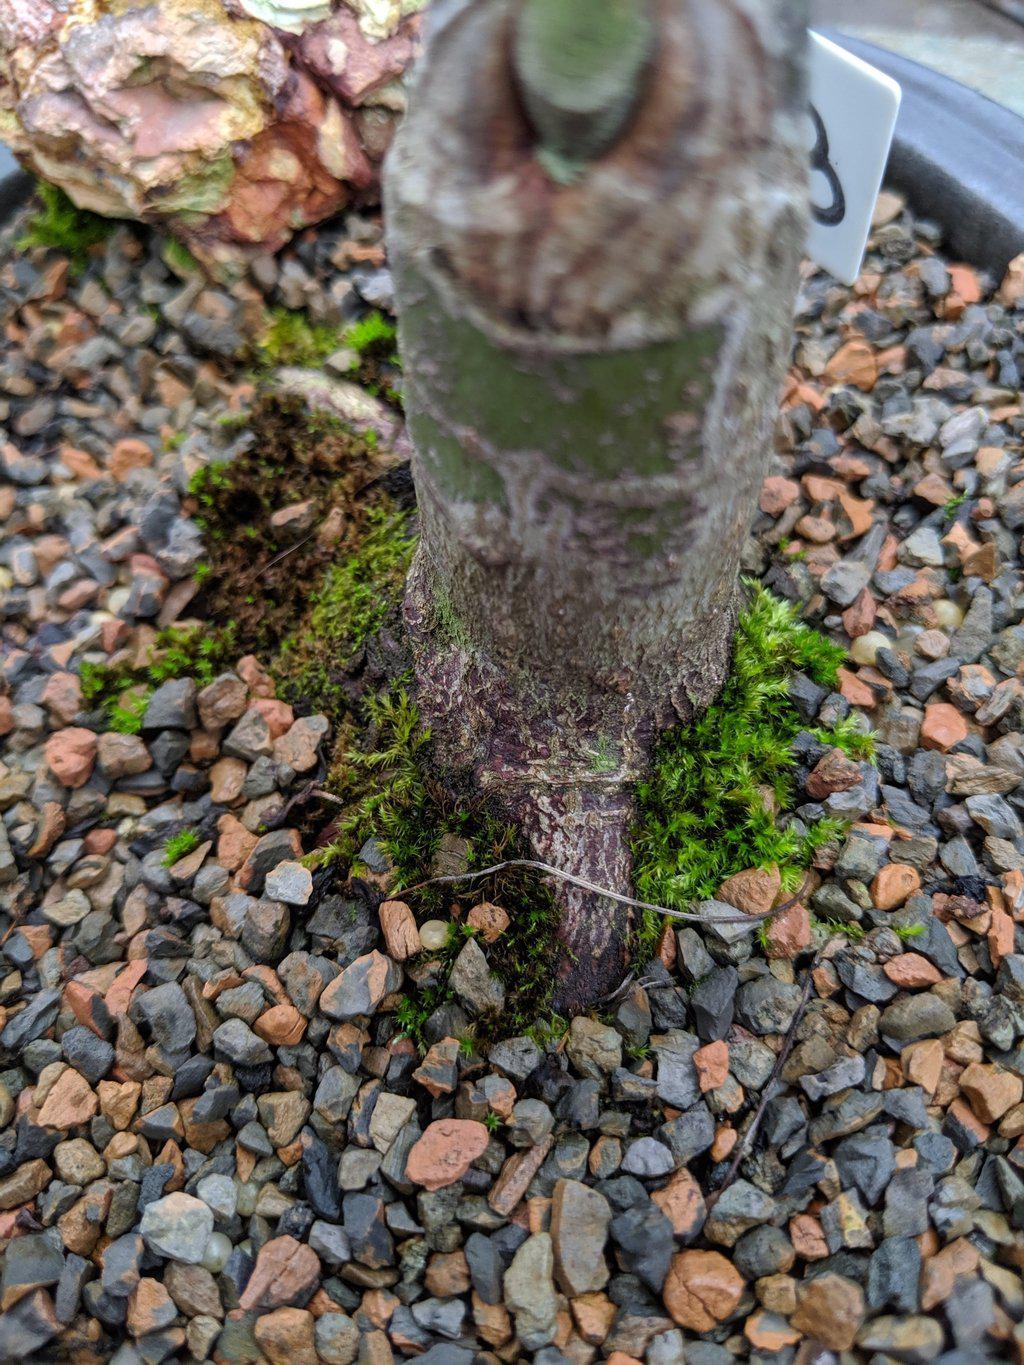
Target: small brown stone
{"points": [[278, 714], [62, 697], [401, 935], [234, 844], [702, 1289], [128, 454], [447, 1274], [789, 932], [445, 1152], [286, 1272], [71, 1102], [516, 1175], [834, 772], [282, 1113], [922, 1064], [81, 1226], [593, 1315], [281, 1026], [255, 676], [71, 754], [940, 1272], [777, 1293], [778, 493], [893, 884], [912, 971], [682, 1203], [193, 1288], [830, 1309], [1000, 937], [100, 841], [227, 777], [943, 727], [859, 617], [991, 1091], [286, 1336], [122, 756], [752, 891], [807, 1237], [222, 701], [490, 921], [52, 823], [119, 994], [23, 1184], [854, 364], [150, 1308], [725, 1140], [712, 1063]]}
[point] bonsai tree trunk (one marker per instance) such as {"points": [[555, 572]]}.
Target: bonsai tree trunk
{"points": [[595, 217]]}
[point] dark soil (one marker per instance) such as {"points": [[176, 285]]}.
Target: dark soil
{"points": [[259, 576]]}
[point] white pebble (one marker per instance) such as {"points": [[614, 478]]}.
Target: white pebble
{"points": [[215, 1257], [947, 614], [434, 935], [864, 649]]}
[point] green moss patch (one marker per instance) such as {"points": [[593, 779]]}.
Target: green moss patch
{"points": [[716, 803], [123, 691], [60, 225], [355, 596], [179, 846], [382, 772], [259, 573], [718, 788], [293, 338]]}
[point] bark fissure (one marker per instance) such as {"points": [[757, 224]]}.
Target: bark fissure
{"points": [[592, 371]]}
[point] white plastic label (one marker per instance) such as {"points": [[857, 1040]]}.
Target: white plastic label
{"points": [[853, 108]]}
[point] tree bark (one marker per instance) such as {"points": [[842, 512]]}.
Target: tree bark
{"points": [[594, 323]]}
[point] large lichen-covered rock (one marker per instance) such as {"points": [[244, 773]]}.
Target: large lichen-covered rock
{"points": [[231, 123]]}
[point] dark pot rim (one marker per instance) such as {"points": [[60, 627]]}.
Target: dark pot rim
{"points": [[957, 156]]}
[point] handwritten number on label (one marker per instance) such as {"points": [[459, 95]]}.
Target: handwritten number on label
{"points": [[834, 213]]}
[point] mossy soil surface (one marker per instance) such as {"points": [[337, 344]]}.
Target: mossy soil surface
{"points": [[264, 570], [324, 605], [324, 609]]}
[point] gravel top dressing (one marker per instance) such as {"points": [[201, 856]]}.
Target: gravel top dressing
{"points": [[262, 1096]]}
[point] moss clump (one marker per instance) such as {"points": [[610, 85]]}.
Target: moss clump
{"points": [[125, 716], [383, 776], [259, 574], [123, 692], [351, 605], [179, 846], [711, 805], [291, 338], [60, 225], [953, 505], [374, 332], [210, 482], [191, 651], [384, 789]]}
